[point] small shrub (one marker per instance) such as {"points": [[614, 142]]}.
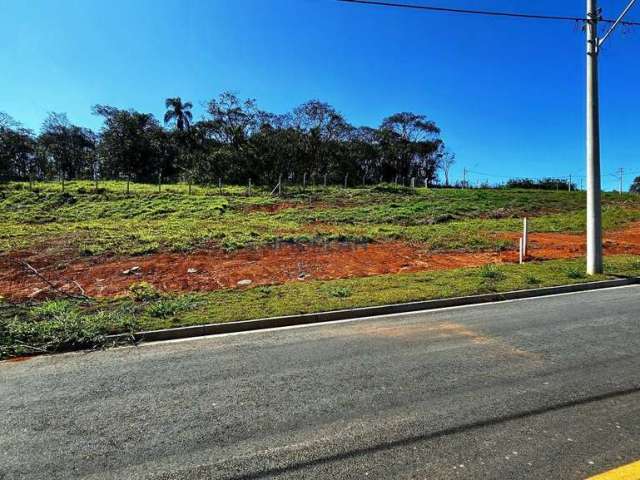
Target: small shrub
{"points": [[64, 198], [53, 310], [89, 250], [340, 292], [532, 280], [575, 273], [58, 326], [500, 213], [143, 292], [265, 291], [447, 217], [169, 307], [491, 272]]}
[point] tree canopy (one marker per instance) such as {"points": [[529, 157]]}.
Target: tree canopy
{"points": [[234, 141]]}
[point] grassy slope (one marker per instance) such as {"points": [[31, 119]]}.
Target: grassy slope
{"points": [[66, 324], [146, 220]]}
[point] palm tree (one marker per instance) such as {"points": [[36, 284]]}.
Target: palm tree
{"points": [[178, 112]]}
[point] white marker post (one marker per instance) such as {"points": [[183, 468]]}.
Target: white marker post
{"points": [[525, 238], [521, 258]]}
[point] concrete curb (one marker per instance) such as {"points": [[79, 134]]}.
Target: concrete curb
{"points": [[308, 318]]}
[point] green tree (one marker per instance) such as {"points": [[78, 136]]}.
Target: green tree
{"points": [[17, 150], [128, 143], [167, 150], [362, 156], [194, 154], [324, 129], [447, 161], [67, 147], [410, 146], [232, 122], [235, 142], [277, 148], [178, 113]]}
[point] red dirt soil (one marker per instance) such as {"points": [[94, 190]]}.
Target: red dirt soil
{"points": [[215, 269]]}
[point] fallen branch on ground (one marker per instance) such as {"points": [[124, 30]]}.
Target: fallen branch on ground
{"points": [[53, 286]]}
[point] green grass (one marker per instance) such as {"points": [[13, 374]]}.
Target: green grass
{"points": [[85, 221], [107, 220], [67, 324]]}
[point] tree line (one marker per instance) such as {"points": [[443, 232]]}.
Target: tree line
{"points": [[546, 183], [234, 141]]}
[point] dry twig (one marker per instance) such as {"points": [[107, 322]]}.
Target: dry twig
{"points": [[52, 286]]}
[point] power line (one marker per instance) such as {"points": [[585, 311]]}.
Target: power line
{"points": [[512, 177], [616, 174], [492, 13]]}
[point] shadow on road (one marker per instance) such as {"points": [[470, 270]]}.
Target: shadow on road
{"points": [[434, 435]]}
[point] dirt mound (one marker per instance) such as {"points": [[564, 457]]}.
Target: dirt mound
{"points": [[216, 269]]}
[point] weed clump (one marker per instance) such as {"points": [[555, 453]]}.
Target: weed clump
{"points": [[575, 273], [171, 306], [59, 325], [532, 280], [491, 272], [340, 292], [143, 292], [265, 291]]}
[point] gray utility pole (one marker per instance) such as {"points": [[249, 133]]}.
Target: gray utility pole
{"points": [[621, 173], [620, 177], [594, 207]]}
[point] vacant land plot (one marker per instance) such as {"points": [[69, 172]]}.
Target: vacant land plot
{"points": [[78, 264]]}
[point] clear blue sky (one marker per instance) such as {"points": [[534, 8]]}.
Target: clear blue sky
{"points": [[508, 94]]}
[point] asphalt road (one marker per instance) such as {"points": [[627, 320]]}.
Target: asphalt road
{"points": [[542, 388]]}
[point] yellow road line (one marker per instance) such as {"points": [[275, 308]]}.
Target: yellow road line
{"points": [[627, 472]]}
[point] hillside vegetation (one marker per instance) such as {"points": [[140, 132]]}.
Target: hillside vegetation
{"points": [[69, 235], [108, 220]]}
